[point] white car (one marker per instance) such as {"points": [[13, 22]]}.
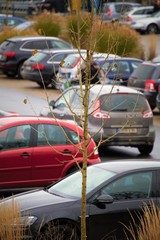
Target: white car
{"points": [[70, 71], [148, 24], [137, 13]]}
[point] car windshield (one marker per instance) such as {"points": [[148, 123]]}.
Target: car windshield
{"points": [[124, 102], [72, 185]]}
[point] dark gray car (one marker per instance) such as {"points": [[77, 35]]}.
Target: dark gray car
{"points": [[118, 115], [14, 51]]}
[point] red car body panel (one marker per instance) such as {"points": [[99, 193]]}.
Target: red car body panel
{"points": [[39, 166]]}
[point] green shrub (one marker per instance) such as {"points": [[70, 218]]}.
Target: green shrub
{"points": [[48, 24], [104, 37]]}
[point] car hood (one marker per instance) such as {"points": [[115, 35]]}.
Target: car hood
{"points": [[37, 199]]}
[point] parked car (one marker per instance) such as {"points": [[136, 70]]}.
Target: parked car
{"points": [[136, 13], [35, 151], [24, 26], [146, 78], [10, 21], [7, 114], [14, 51], [43, 67], [114, 10], [156, 59], [70, 71], [118, 115], [148, 25], [119, 70], [45, 5], [116, 195]]}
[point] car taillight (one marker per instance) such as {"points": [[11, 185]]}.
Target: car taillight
{"points": [[37, 66], [9, 54], [129, 19], [150, 86], [109, 12], [149, 113], [94, 154], [76, 62], [97, 111]]}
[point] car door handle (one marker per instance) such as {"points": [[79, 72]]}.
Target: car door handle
{"points": [[25, 154], [66, 151]]}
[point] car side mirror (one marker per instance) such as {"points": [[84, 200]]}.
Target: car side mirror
{"points": [[105, 199], [52, 103]]}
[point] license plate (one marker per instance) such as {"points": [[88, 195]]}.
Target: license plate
{"points": [[28, 68], [126, 130]]}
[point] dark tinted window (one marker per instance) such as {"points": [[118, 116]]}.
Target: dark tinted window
{"points": [[38, 44], [133, 186], [124, 102], [144, 71]]}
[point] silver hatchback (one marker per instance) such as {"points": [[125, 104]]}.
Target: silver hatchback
{"points": [[118, 115]]}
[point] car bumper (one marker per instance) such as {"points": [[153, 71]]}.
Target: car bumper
{"points": [[124, 139], [8, 67], [36, 76]]}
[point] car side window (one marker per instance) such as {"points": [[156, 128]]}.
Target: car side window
{"points": [[58, 57], [133, 186], [35, 45], [15, 137], [51, 134]]}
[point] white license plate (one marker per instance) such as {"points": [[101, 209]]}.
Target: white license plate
{"points": [[28, 68], [126, 130]]}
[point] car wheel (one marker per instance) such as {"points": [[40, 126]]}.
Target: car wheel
{"points": [[43, 84], [152, 28], [10, 74], [58, 231], [146, 149], [53, 82], [19, 70]]}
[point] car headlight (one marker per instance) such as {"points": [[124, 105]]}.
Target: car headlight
{"points": [[26, 220]]}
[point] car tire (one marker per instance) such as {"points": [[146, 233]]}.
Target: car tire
{"points": [[58, 231], [152, 29], [53, 82], [44, 84], [19, 70], [146, 149], [10, 74]]}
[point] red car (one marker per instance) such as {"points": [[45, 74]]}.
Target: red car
{"points": [[36, 151]]}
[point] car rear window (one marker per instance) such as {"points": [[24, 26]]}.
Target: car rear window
{"points": [[123, 102], [7, 45], [144, 71], [38, 57], [70, 61]]}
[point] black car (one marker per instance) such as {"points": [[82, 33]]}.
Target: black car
{"points": [[116, 194], [14, 51], [44, 65], [146, 78]]}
